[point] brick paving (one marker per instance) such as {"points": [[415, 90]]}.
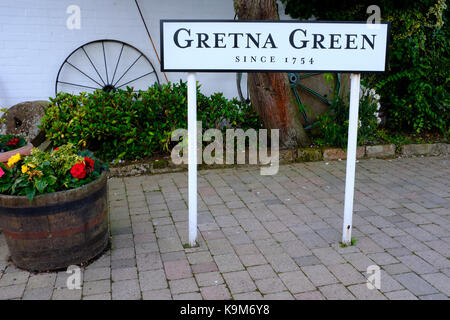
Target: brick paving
{"points": [[267, 237]]}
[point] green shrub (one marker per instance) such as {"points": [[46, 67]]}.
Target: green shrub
{"points": [[332, 127], [132, 125], [414, 92]]}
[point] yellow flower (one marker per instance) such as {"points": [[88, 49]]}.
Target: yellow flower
{"points": [[32, 165], [13, 160], [24, 168]]}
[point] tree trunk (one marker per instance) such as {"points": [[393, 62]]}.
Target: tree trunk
{"points": [[270, 93]]}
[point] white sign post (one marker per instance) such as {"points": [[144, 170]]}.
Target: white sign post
{"points": [[192, 156], [273, 46], [351, 158]]}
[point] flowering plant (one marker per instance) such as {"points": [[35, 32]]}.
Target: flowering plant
{"points": [[10, 142], [63, 168]]}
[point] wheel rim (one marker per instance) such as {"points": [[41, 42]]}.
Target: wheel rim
{"points": [[107, 65]]}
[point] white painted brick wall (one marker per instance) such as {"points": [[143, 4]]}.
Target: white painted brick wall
{"points": [[34, 39]]}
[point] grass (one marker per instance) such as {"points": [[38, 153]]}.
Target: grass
{"points": [[352, 243]]}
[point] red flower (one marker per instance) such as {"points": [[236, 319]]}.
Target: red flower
{"points": [[79, 170], [89, 162], [13, 142], [56, 148]]}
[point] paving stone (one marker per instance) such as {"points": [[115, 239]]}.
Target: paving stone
{"points": [[199, 257], [239, 282], [126, 290], [261, 272], [178, 269], [66, 294], [204, 267], [417, 264], [169, 245], [415, 284], [96, 287], [188, 296], [215, 293], [362, 292], [319, 275], [122, 253], [347, 274], [253, 260], [220, 247], [152, 280], [411, 243], [124, 274], [440, 281], [270, 285], [399, 252], [38, 294], [248, 296], [388, 283], [434, 258], [437, 296], [367, 245], [282, 263], [328, 256], [336, 292], [12, 291], [382, 258], [296, 282], [162, 294], [401, 295], [183, 286], [310, 295], [41, 281], [359, 261], [209, 279], [307, 261], [228, 263], [97, 274], [279, 296], [147, 261], [124, 263], [14, 278], [101, 296]]}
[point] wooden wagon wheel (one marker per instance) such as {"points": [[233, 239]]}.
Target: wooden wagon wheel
{"points": [[107, 65], [311, 90]]}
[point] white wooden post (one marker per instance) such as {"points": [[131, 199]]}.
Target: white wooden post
{"points": [[351, 158], [192, 157]]}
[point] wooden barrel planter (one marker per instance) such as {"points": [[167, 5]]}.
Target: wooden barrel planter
{"points": [[58, 229]]}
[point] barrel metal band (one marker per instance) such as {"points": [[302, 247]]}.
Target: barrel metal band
{"points": [[54, 234], [53, 208]]}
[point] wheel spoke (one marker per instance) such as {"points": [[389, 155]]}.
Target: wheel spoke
{"points": [[77, 85], [117, 64], [89, 58], [104, 58], [136, 79], [128, 69], [83, 73]]}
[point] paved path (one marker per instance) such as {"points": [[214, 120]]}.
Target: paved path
{"points": [[273, 237]]}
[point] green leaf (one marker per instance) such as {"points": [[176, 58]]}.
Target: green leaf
{"points": [[30, 193]]}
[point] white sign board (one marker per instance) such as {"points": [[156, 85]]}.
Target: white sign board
{"points": [[230, 46]]}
